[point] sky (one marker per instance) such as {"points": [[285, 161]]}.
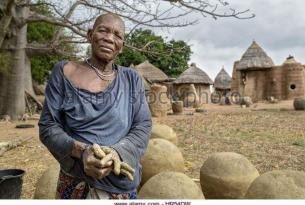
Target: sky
{"points": [[279, 28]]}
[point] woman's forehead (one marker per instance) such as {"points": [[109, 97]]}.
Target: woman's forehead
{"points": [[109, 21]]}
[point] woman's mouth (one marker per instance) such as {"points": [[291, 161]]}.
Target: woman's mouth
{"points": [[105, 48]]}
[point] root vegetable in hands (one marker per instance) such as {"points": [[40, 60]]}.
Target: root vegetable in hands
{"points": [[110, 156]]}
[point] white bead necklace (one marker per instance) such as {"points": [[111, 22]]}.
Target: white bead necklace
{"points": [[99, 73]]}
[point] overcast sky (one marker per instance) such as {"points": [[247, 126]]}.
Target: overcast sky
{"points": [[279, 28]]}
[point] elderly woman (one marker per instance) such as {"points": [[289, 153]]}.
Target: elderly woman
{"points": [[96, 121]]}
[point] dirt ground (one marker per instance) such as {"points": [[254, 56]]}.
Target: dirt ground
{"points": [[264, 133]]}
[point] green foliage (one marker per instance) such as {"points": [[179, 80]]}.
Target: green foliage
{"points": [[42, 65], [171, 56], [41, 32]]}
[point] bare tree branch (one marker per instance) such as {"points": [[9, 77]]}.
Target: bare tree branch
{"points": [[35, 17], [35, 49], [68, 15], [136, 12], [202, 5]]}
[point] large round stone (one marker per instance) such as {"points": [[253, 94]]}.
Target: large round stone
{"points": [[164, 132], [284, 184], [226, 175], [170, 185], [161, 155], [299, 104], [47, 183]]}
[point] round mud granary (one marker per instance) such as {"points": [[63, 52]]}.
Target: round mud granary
{"points": [[299, 104], [47, 183], [226, 175], [170, 185], [161, 155], [164, 132], [279, 184]]}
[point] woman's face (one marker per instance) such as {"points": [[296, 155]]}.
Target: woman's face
{"points": [[107, 38]]}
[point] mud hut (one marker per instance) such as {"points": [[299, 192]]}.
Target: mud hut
{"points": [[222, 82], [193, 77], [251, 71], [151, 73], [256, 76], [293, 79], [154, 75]]}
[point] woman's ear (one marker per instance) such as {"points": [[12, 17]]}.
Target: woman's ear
{"points": [[89, 35]]}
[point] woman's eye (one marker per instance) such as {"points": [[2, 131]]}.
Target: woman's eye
{"points": [[119, 36]]}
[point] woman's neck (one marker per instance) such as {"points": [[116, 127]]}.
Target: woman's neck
{"points": [[102, 66]]}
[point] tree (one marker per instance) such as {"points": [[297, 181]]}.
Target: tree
{"points": [[41, 32], [171, 56], [73, 17]]}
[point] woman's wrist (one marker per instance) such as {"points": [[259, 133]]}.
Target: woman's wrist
{"points": [[78, 149], [87, 146]]}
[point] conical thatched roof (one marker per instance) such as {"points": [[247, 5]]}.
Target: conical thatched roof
{"points": [[194, 75], [254, 58], [151, 72], [146, 83], [222, 80], [291, 60]]}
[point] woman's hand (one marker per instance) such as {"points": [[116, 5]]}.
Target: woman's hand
{"points": [[119, 167], [93, 166]]}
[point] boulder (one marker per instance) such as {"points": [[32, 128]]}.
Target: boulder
{"points": [[164, 132], [299, 104], [170, 185], [161, 155], [279, 184], [47, 183], [226, 175]]}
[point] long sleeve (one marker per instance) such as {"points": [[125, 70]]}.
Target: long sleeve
{"points": [[51, 131], [133, 145]]}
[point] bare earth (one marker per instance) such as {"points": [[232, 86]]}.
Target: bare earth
{"points": [[264, 133]]}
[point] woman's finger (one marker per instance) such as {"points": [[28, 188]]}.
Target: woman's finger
{"points": [[107, 158], [93, 161], [103, 172]]}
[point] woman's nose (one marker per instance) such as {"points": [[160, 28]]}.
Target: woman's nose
{"points": [[109, 37]]}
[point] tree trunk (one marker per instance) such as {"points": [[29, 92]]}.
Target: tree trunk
{"points": [[28, 76], [3, 90], [14, 102]]}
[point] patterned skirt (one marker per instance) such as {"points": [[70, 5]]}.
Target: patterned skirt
{"points": [[69, 187]]}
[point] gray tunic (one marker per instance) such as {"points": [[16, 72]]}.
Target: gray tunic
{"points": [[118, 117]]}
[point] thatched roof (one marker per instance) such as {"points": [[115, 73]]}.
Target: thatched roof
{"points": [[151, 72], [222, 80], [290, 60], [255, 58], [146, 83], [194, 75]]}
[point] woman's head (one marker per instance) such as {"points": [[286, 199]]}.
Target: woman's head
{"points": [[107, 37]]}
